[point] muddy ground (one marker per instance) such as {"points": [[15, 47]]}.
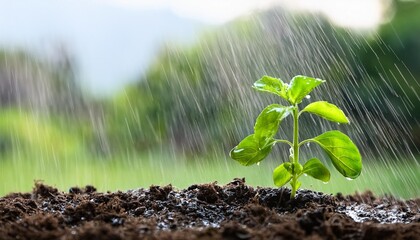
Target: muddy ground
{"points": [[209, 211]]}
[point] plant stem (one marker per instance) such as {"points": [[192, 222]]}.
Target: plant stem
{"points": [[295, 149], [284, 141], [306, 141]]}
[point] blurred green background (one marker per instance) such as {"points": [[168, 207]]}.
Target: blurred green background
{"points": [[176, 122]]}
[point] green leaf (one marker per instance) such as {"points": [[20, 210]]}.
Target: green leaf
{"points": [[250, 150], [297, 167], [268, 121], [314, 168], [342, 151], [271, 85], [300, 86], [288, 166], [281, 176], [297, 185], [293, 168], [327, 110]]}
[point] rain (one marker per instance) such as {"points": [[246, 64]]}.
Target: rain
{"points": [[174, 118]]}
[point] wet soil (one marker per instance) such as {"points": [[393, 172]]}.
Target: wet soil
{"points": [[208, 211]]}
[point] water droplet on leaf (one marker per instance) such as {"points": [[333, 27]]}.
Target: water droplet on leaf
{"points": [[238, 150]]}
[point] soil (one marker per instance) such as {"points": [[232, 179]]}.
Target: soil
{"points": [[208, 211]]}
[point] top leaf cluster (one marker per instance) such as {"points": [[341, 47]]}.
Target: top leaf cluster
{"points": [[343, 153]]}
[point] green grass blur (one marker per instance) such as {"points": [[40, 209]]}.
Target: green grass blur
{"points": [[43, 149], [131, 172]]}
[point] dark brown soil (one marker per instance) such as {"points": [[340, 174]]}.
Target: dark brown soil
{"points": [[209, 211]]}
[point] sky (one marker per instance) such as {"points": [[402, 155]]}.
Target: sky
{"points": [[113, 41]]}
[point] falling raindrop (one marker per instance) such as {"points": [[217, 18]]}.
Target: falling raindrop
{"points": [[308, 96]]}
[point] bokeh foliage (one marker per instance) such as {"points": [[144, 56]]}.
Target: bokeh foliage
{"points": [[198, 98]]}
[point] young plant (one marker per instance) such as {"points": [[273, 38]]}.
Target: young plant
{"points": [[340, 149]]}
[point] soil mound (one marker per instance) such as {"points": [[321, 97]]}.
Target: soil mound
{"points": [[206, 211]]}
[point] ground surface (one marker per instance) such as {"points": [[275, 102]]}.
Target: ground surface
{"points": [[210, 211]]}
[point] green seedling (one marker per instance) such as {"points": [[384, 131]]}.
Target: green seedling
{"points": [[339, 148]]}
